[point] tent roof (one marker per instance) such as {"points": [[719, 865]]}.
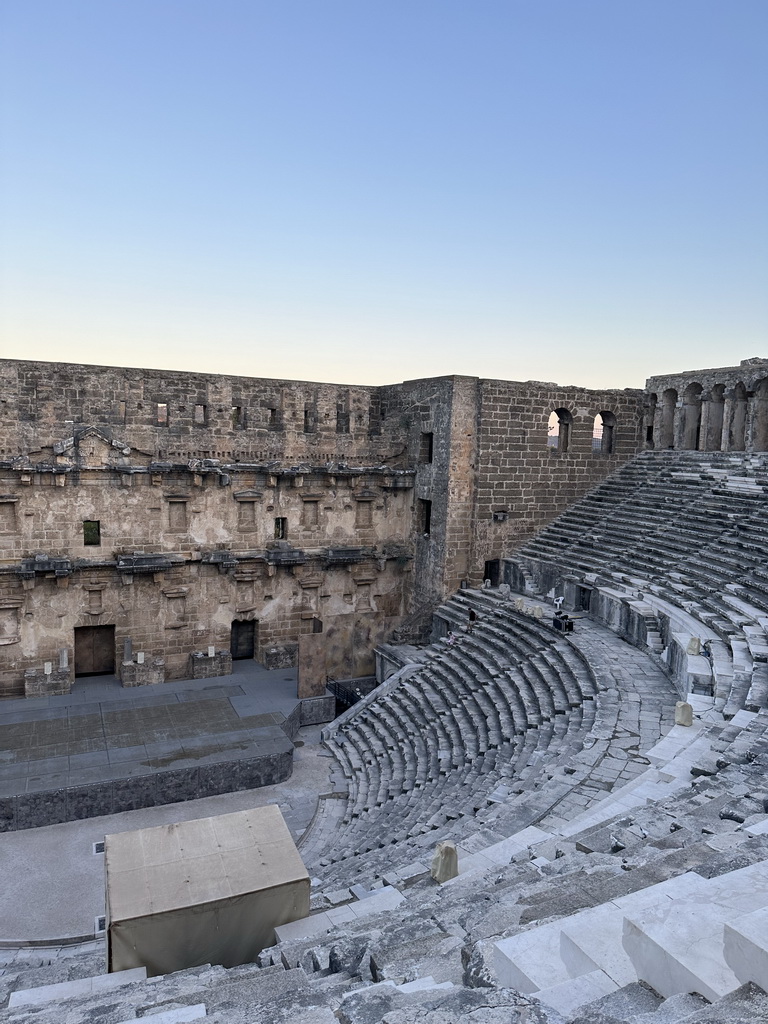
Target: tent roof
{"points": [[171, 867]]}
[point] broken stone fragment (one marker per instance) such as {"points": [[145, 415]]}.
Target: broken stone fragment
{"points": [[683, 713], [445, 863]]}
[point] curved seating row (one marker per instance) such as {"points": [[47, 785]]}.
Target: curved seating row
{"points": [[421, 761], [690, 528]]}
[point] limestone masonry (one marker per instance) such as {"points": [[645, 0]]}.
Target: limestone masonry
{"points": [[149, 516]]}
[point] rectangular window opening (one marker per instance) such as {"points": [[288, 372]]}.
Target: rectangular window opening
{"points": [[161, 414], [272, 419], [426, 447], [342, 420], [309, 419], [92, 532], [281, 528], [201, 415], [425, 517], [236, 416]]}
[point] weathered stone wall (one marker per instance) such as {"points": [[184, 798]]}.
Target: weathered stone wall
{"points": [[233, 419], [522, 483], [722, 409], [299, 507]]}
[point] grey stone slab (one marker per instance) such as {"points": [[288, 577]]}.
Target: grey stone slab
{"points": [[120, 755], [89, 801], [41, 783], [83, 711], [8, 813], [154, 701], [219, 693], [36, 809], [132, 794], [87, 775], [214, 779], [88, 759], [177, 786], [161, 748], [49, 765]]}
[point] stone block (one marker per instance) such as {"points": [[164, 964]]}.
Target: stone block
{"points": [[683, 713], [201, 666], [80, 988], [568, 996], [179, 1015], [44, 808], [745, 947], [89, 801], [146, 673]]}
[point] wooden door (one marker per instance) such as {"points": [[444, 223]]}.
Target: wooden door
{"points": [[242, 642], [94, 650]]}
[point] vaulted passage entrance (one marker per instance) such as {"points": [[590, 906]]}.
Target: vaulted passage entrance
{"points": [[242, 643], [492, 571], [94, 650]]}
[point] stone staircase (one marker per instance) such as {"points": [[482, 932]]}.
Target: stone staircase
{"points": [[672, 536]]}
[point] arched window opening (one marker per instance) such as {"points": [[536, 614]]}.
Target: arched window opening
{"points": [[738, 427], [559, 430], [669, 404], [760, 430], [602, 433], [692, 417]]}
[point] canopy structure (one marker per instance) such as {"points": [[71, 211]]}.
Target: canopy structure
{"points": [[211, 890]]}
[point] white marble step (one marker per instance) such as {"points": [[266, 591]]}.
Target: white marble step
{"points": [[679, 947], [80, 988], [745, 947], [582, 943], [569, 996]]}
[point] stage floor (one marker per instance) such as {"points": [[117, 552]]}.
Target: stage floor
{"points": [[103, 749]]}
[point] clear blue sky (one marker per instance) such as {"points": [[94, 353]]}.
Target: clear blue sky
{"points": [[367, 191]]}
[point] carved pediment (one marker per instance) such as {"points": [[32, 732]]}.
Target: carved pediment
{"points": [[93, 448]]}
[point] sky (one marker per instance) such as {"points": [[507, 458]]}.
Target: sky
{"points": [[369, 191]]}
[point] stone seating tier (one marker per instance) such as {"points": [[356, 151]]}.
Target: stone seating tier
{"points": [[695, 510], [484, 716]]}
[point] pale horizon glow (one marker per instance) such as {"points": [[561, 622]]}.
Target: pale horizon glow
{"points": [[370, 193]]}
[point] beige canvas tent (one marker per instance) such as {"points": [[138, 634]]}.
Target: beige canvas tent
{"points": [[205, 891]]}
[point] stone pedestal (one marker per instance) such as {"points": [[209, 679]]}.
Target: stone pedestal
{"points": [[46, 684], [312, 670], [146, 673], [280, 656], [203, 666]]}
